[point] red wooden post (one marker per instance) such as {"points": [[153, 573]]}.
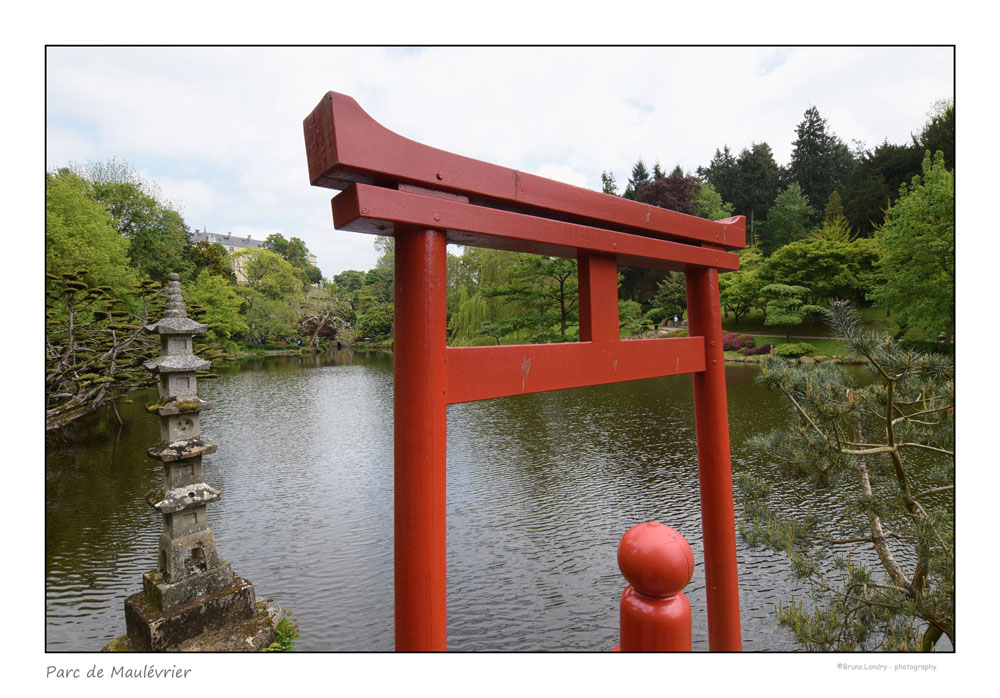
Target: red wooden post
{"points": [[655, 613], [420, 335], [597, 283], [714, 468]]}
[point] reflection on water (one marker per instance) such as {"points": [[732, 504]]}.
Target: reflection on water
{"points": [[540, 490]]}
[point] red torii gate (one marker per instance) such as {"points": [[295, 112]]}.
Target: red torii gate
{"points": [[425, 198]]}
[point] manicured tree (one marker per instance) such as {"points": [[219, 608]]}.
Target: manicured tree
{"points": [[786, 307], [820, 265], [883, 575], [631, 321], [917, 246], [94, 346], [322, 314]]}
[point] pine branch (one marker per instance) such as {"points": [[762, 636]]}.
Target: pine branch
{"points": [[934, 490]]}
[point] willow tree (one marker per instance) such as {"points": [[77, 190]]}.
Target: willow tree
{"points": [[883, 576]]}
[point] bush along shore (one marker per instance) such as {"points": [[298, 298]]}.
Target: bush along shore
{"points": [[746, 348]]}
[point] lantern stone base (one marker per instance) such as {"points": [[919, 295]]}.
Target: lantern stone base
{"points": [[229, 620]]}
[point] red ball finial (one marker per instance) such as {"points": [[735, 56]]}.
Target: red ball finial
{"points": [[655, 559]]}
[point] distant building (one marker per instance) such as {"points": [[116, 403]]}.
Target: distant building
{"points": [[235, 243]]}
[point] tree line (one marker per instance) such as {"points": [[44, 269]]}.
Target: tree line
{"points": [[873, 226], [111, 239]]}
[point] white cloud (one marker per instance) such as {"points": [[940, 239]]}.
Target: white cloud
{"points": [[220, 128]]}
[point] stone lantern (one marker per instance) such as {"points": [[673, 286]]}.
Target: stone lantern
{"points": [[192, 600]]}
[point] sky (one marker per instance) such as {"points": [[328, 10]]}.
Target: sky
{"points": [[219, 129]]}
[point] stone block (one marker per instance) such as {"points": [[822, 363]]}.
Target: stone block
{"points": [[188, 555], [166, 596], [152, 630], [252, 635], [179, 427]]}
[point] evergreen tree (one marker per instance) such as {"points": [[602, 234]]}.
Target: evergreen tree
{"points": [[835, 226], [837, 230], [787, 220], [834, 208], [939, 133], [821, 162], [640, 178], [671, 294], [759, 180], [608, 184], [722, 174], [883, 575], [874, 184]]}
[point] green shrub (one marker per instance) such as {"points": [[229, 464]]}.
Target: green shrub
{"points": [[286, 634], [793, 350], [656, 315]]}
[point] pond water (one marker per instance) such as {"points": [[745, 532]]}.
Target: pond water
{"points": [[540, 489]]}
